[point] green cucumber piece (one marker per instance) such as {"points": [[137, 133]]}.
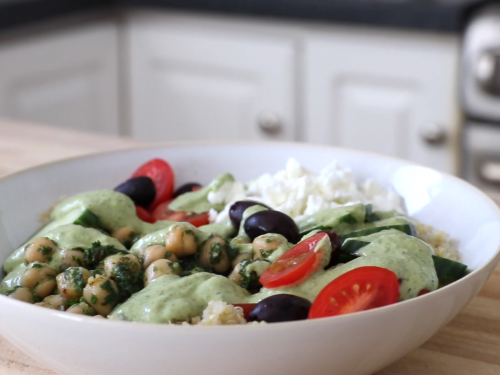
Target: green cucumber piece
{"points": [[448, 270], [353, 244], [350, 246], [334, 218], [370, 216], [87, 219], [399, 223], [346, 258]]}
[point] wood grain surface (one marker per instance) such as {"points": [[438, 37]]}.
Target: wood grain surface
{"points": [[469, 345]]}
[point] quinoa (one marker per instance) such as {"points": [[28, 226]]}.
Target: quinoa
{"points": [[444, 246]]}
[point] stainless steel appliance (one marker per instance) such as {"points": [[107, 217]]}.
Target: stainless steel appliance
{"points": [[481, 99]]}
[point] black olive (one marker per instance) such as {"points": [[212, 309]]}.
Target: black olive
{"points": [[280, 308], [140, 189], [186, 188], [237, 208], [263, 222]]}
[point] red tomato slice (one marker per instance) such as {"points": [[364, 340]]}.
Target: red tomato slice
{"points": [[295, 265], [144, 215], [162, 212], [247, 308], [163, 177], [361, 289], [422, 292]]}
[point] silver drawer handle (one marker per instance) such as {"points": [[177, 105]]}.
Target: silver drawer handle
{"points": [[269, 122], [434, 134], [490, 172]]}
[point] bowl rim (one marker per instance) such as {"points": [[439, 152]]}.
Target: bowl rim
{"points": [[495, 258]]}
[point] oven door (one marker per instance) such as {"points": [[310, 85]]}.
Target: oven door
{"points": [[481, 157]]}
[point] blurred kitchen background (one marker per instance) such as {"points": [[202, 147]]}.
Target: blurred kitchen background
{"points": [[417, 79]]}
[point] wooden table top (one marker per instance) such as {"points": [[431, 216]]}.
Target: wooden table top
{"points": [[469, 345]]}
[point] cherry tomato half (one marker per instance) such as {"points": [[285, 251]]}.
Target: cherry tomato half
{"points": [[295, 265], [247, 308], [162, 175], [162, 212], [361, 289], [144, 215]]}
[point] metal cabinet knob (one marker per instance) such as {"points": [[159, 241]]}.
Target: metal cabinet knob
{"points": [[269, 122], [490, 172], [434, 134], [487, 71]]}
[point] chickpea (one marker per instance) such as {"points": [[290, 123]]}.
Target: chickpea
{"points": [[56, 301], [235, 275], [72, 281], [155, 252], [113, 261], [159, 268], [71, 258], [125, 235], [181, 241], [263, 246], [240, 240], [214, 254], [82, 308], [40, 250], [23, 294], [45, 304], [240, 257], [101, 293], [40, 278]]}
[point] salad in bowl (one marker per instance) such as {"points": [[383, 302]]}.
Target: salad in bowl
{"points": [[288, 246]]}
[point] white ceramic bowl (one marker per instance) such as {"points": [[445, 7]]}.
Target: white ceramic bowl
{"points": [[359, 343]]}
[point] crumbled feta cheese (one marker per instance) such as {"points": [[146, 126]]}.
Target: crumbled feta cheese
{"points": [[298, 192]]}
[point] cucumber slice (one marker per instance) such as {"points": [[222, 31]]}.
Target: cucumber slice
{"points": [[448, 270], [87, 219], [345, 258], [399, 223], [370, 216], [351, 245], [334, 218]]}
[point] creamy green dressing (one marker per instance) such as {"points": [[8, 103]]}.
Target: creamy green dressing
{"points": [[172, 298], [408, 257], [67, 236], [175, 299], [225, 230], [197, 201], [113, 209], [158, 237], [336, 218]]}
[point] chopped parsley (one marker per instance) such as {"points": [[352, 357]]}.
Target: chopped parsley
{"points": [[74, 275], [216, 252], [128, 276], [249, 281], [98, 252], [266, 253], [93, 299], [175, 267], [113, 296], [45, 250]]}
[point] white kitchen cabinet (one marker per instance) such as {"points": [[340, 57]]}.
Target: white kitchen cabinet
{"points": [[66, 77], [197, 79], [381, 91]]}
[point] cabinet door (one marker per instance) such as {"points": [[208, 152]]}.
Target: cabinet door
{"points": [[65, 78], [202, 79], [384, 92]]}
